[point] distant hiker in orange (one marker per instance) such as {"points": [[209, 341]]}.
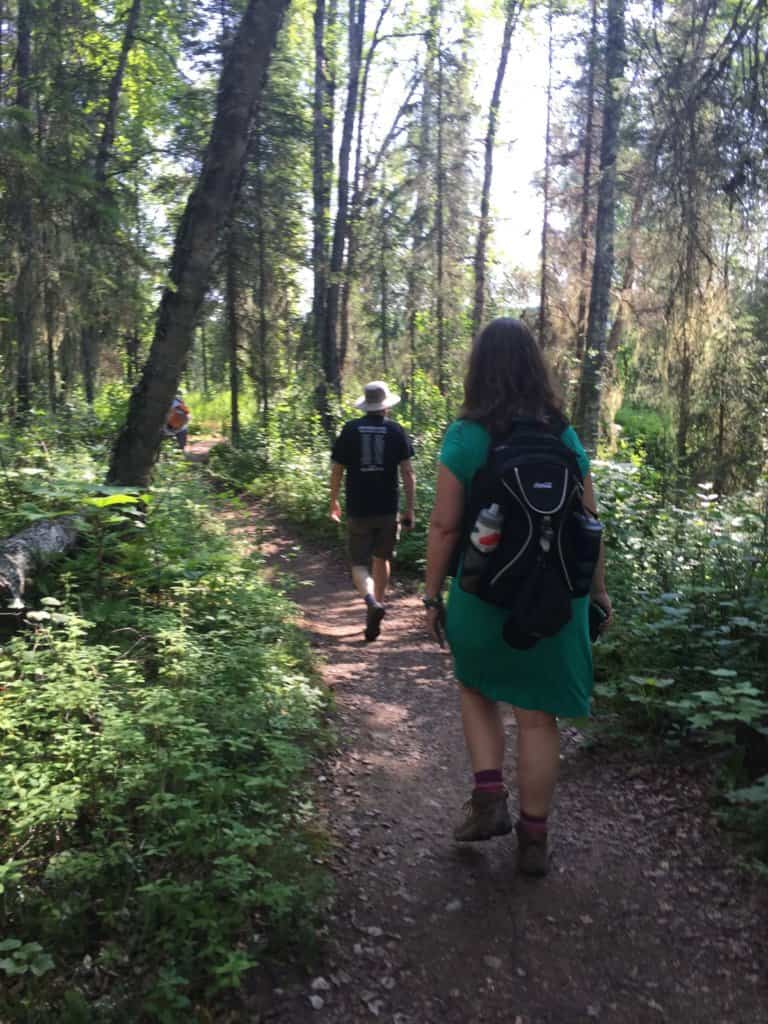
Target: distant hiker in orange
{"points": [[177, 421], [371, 450]]}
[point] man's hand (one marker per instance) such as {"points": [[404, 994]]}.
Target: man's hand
{"points": [[407, 522], [335, 512]]}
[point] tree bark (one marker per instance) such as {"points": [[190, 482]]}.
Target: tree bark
{"points": [[94, 321], [586, 188], [23, 553], [322, 171], [543, 298], [331, 340], [512, 13], [436, 11], [26, 283], [262, 291], [207, 211], [357, 193], [602, 271], [233, 336], [107, 139]]}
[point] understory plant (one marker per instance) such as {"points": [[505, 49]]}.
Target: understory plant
{"points": [[158, 714]]}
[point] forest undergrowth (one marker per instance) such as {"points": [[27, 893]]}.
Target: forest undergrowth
{"points": [[158, 711]]}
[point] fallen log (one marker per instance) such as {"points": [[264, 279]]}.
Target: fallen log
{"points": [[23, 553]]}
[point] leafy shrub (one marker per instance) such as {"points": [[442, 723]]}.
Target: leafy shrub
{"points": [[156, 726]]}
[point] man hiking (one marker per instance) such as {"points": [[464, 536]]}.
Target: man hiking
{"points": [[371, 450]]}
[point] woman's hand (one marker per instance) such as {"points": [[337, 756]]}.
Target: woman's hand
{"points": [[601, 597], [334, 511], [435, 623]]}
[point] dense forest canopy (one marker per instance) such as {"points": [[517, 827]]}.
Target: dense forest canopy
{"points": [[369, 233]]}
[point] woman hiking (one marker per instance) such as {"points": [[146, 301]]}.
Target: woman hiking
{"points": [[507, 379]]}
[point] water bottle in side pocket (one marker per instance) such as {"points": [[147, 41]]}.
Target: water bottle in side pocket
{"points": [[483, 540]]}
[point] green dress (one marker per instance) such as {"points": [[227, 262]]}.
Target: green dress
{"points": [[556, 674]]}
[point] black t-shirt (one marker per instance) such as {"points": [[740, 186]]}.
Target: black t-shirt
{"points": [[371, 448]]}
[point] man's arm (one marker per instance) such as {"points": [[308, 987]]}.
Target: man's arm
{"points": [[337, 472], [409, 486]]}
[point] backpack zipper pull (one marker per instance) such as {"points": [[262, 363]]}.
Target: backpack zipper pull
{"points": [[546, 534]]}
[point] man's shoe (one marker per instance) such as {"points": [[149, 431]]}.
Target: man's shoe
{"points": [[373, 616], [487, 816], [533, 857]]}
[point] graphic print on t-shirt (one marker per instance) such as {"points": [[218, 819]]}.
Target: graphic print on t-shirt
{"points": [[372, 442]]}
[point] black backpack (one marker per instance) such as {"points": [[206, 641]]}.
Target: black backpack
{"points": [[549, 543]]}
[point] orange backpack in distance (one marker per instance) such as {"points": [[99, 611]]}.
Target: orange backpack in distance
{"points": [[178, 416]]}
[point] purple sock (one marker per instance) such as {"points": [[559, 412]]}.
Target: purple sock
{"points": [[537, 826], [489, 781]]}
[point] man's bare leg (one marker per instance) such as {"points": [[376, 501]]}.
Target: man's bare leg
{"points": [[363, 581], [381, 573]]}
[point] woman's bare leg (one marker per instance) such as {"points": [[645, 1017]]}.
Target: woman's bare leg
{"points": [[538, 760], [483, 730]]}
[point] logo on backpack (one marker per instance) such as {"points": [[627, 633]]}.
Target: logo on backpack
{"points": [[528, 498]]}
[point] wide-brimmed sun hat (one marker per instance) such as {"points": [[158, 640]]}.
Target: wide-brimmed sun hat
{"points": [[377, 397]]}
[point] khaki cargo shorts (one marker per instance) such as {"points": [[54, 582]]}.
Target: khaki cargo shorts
{"points": [[372, 536]]}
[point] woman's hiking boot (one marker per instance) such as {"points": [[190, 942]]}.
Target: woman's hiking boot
{"points": [[533, 857], [487, 815]]}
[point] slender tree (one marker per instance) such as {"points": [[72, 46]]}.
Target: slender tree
{"points": [[543, 292], [602, 273], [322, 172], [586, 185], [511, 14], [207, 211]]}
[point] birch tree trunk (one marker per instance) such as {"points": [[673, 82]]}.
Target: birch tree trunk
{"points": [[593, 363], [436, 12], [543, 297], [322, 173], [208, 210], [331, 342], [586, 188], [21, 554], [26, 282], [93, 318], [512, 13]]}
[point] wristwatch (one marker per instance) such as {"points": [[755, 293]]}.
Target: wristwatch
{"points": [[433, 602]]}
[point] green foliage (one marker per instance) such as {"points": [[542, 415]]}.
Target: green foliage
{"points": [[157, 722]]}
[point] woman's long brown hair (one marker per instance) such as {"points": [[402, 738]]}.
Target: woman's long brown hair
{"points": [[508, 377]]}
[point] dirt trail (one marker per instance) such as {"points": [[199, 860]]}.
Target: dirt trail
{"points": [[641, 919]]}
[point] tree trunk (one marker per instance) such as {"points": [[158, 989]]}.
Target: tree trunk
{"points": [[355, 205], [442, 370], [513, 9], [322, 172], [21, 554], [602, 270], [586, 188], [262, 291], [331, 341], [26, 284], [107, 140], [543, 299], [94, 320], [207, 211], [204, 356], [233, 337]]}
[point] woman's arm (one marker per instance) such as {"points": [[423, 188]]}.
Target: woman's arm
{"points": [[598, 593], [444, 532]]}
